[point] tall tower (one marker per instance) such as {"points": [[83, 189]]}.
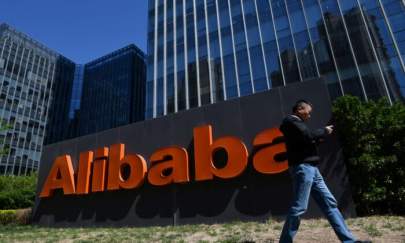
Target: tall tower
{"points": [[113, 92], [28, 73], [204, 51]]}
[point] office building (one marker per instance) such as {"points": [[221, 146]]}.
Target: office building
{"points": [[204, 51], [102, 94], [59, 121], [28, 74], [113, 92], [47, 98]]}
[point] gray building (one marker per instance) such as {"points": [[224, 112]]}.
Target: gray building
{"points": [[204, 51], [28, 74]]}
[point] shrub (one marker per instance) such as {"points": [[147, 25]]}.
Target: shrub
{"points": [[18, 217], [17, 191], [373, 138], [7, 217]]}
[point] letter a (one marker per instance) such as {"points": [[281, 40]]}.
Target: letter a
{"points": [[174, 159], [63, 167], [263, 160]]}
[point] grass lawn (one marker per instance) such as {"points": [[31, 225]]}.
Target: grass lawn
{"points": [[377, 228]]}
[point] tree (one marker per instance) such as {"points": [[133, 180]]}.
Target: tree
{"points": [[373, 138]]}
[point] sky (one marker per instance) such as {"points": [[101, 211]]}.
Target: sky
{"points": [[81, 30]]}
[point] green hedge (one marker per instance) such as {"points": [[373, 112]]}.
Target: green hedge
{"points": [[17, 217], [17, 191], [8, 216], [373, 138]]}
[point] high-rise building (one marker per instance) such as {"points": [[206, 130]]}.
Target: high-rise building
{"points": [[113, 92], [102, 94], [205, 51], [46, 98], [59, 121], [29, 73]]}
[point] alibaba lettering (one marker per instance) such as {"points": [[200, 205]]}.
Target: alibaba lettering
{"points": [[103, 169]]}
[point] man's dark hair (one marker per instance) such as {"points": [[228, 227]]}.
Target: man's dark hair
{"points": [[299, 104]]}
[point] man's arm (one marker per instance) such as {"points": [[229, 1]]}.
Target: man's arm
{"points": [[312, 136], [320, 134]]}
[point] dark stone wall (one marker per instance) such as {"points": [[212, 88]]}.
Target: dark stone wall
{"points": [[251, 196]]}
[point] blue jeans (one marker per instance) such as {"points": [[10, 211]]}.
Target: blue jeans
{"points": [[308, 180]]}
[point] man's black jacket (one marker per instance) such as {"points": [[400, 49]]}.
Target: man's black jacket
{"points": [[301, 142]]}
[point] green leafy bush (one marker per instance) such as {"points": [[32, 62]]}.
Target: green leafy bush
{"points": [[17, 191], [8, 216], [373, 138], [17, 217]]}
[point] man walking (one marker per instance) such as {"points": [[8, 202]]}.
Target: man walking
{"points": [[303, 157]]}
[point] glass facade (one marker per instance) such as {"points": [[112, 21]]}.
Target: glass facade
{"points": [[59, 121], [205, 51], [28, 73], [76, 91], [46, 98], [102, 94], [113, 92]]}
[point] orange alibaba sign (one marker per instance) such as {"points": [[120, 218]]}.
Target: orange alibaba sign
{"points": [[102, 169]]}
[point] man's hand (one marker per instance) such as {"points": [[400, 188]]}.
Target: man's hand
{"points": [[329, 129]]}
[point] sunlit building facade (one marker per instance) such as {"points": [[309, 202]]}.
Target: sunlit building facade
{"points": [[46, 98], [204, 51], [28, 74]]}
